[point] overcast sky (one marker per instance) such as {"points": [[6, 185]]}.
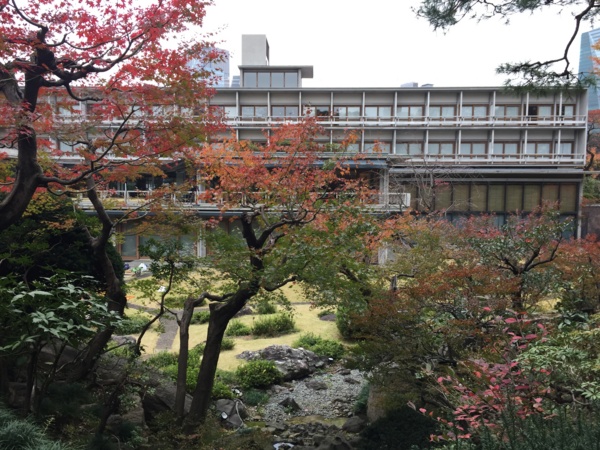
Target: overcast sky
{"points": [[381, 43]]}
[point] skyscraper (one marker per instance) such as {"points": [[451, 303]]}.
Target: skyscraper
{"points": [[587, 54]]}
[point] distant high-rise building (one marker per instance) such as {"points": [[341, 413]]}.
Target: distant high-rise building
{"points": [[219, 68], [586, 63]]}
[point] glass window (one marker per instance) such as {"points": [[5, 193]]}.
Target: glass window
{"points": [[264, 79], [506, 148], [409, 111], [291, 79], [440, 148], [378, 111], [568, 110], [409, 148], [474, 111], [129, 245], [230, 111], [277, 79], [472, 148], [278, 111], [566, 148], [247, 111], [377, 147], [507, 111], [371, 111], [260, 111], [346, 111], [538, 148], [249, 79], [441, 112], [322, 111]]}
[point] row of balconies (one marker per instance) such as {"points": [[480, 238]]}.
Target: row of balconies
{"points": [[397, 122]]}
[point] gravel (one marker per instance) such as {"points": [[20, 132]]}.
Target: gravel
{"points": [[336, 401]]}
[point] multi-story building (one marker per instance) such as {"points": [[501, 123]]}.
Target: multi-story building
{"points": [[458, 150], [587, 55]]}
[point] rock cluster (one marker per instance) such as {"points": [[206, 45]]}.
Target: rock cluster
{"points": [[293, 363]]}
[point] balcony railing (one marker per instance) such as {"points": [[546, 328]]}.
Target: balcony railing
{"points": [[124, 200], [420, 121]]}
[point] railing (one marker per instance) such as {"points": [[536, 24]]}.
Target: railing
{"points": [[126, 199], [421, 121]]}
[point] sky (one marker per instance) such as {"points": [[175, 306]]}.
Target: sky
{"points": [[381, 43]]}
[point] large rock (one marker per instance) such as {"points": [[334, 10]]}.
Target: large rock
{"points": [[293, 363]]}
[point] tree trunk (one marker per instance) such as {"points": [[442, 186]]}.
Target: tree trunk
{"points": [[220, 315], [182, 361]]}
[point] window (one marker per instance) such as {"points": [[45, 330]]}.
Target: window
{"points": [[318, 111], [254, 111], [441, 112], [568, 110], [406, 112], [346, 111], [291, 79], [284, 111], [270, 79], [474, 111], [230, 112], [565, 148], [472, 148], [264, 79], [373, 112], [250, 79], [507, 111], [540, 111], [65, 147], [377, 147], [277, 80], [506, 148], [440, 148], [538, 148], [409, 148]]}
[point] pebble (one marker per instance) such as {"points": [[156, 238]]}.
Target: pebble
{"points": [[335, 401]]}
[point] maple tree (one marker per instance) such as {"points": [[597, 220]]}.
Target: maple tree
{"points": [[96, 94], [288, 212]]}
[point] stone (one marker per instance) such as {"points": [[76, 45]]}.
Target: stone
{"points": [[316, 385], [354, 425], [293, 363], [17, 394], [337, 442], [290, 403], [135, 413], [351, 380], [376, 404]]}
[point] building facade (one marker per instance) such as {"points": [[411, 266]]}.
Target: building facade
{"points": [[458, 151]]}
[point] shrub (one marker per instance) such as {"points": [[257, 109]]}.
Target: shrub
{"points": [[227, 344], [265, 307], [320, 346], [258, 374], [255, 397], [195, 354], [162, 359], [227, 376], [237, 328], [360, 404], [401, 429], [274, 326], [200, 317], [19, 434], [221, 390], [326, 312], [131, 324]]}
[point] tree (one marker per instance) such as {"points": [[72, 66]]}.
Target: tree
{"points": [[522, 249], [284, 200], [443, 14], [124, 64]]}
